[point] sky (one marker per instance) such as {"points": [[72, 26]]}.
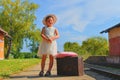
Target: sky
{"points": [[78, 20]]}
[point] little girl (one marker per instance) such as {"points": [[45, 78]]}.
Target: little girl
{"points": [[48, 45]]}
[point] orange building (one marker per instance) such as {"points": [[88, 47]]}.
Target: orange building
{"points": [[114, 40], [3, 34]]}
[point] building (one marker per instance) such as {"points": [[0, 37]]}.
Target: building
{"points": [[114, 39], [3, 34]]}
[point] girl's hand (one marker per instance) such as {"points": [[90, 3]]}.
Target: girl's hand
{"points": [[50, 40]]}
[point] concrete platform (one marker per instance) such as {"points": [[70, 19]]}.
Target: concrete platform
{"points": [[32, 74]]}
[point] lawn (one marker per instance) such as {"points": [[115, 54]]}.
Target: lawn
{"points": [[11, 66]]}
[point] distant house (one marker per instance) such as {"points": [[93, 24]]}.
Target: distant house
{"points": [[3, 34], [114, 39]]}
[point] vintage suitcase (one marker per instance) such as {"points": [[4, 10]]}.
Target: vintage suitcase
{"points": [[70, 66]]}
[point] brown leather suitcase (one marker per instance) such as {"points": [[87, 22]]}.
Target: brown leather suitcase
{"points": [[70, 66]]}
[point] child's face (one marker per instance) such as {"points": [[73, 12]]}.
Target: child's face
{"points": [[49, 21]]}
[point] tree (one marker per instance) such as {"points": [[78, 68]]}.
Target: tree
{"points": [[74, 47], [17, 18], [69, 46], [96, 46], [92, 46], [34, 41]]}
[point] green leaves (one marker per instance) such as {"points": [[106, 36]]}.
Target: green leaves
{"points": [[96, 46], [17, 18], [74, 47], [91, 46]]}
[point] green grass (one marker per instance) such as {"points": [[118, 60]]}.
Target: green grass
{"points": [[8, 67]]}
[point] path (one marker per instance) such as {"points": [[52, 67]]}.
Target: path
{"points": [[32, 74]]}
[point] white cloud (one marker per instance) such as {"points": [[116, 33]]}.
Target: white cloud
{"points": [[67, 36], [102, 10], [104, 7], [72, 36], [80, 13], [65, 4], [78, 38], [72, 16]]}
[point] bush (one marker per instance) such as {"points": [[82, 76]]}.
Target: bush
{"points": [[22, 55]]}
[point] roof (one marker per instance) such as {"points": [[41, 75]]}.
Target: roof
{"points": [[107, 30], [4, 33]]}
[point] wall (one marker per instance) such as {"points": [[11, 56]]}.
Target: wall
{"points": [[114, 41], [1, 46]]}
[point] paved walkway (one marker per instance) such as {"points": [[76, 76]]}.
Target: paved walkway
{"points": [[32, 74]]}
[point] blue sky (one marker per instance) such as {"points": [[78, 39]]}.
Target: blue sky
{"points": [[79, 19]]}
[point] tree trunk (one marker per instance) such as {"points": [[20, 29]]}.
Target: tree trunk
{"points": [[9, 47]]}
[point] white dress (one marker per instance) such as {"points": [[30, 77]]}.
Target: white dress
{"points": [[46, 47]]}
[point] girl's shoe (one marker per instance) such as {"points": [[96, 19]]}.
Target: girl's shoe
{"points": [[48, 73], [41, 73]]}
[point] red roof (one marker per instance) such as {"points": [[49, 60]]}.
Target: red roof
{"points": [[4, 33], [107, 30]]}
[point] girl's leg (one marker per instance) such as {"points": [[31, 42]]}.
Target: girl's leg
{"points": [[42, 65], [48, 73], [43, 62], [51, 62]]}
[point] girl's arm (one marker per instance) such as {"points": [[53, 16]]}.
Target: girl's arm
{"points": [[56, 35], [43, 35]]}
